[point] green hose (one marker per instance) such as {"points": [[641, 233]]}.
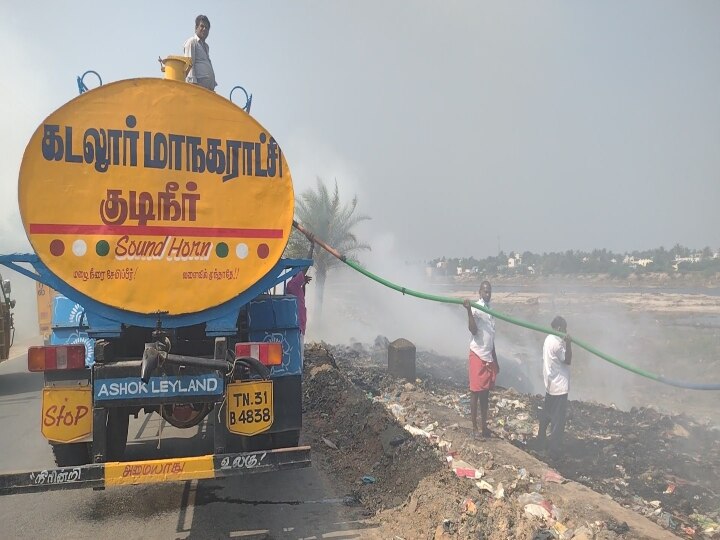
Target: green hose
{"points": [[508, 318]]}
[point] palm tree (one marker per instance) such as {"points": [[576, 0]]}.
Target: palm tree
{"points": [[331, 220]]}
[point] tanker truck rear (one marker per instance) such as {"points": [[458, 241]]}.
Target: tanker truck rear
{"points": [[159, 211]]}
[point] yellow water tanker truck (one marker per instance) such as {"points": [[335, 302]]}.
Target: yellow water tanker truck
{"points": [[159, 212]]}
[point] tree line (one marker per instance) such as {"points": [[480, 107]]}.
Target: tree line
{"points": [[597, 261]]}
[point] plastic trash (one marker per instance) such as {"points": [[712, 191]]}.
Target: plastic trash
{"points": [[482, 485], [553, 476], [535, 510], [469, 507], [329, 443], [397, 410], [416, 431], [530, 498]]}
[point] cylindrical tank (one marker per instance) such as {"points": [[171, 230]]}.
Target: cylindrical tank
{"points": [[155, 197]]}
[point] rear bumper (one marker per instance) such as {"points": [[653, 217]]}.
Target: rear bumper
{"points": [[103, 475]]}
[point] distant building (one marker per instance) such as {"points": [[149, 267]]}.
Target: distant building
{"points": [[634, 263], [692, 259], [514, 261]]}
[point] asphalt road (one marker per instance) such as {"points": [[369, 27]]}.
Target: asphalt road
{"points": [[289, 504]]}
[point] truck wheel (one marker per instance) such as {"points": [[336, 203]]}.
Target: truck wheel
{"points": [[286, 439], [71, 455], [117, 433]]}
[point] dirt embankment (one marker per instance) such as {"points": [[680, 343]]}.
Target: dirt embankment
{"points": [[404, 453]]}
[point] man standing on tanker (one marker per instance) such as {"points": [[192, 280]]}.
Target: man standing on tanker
{"points": [[201, 72], [483, 366]]}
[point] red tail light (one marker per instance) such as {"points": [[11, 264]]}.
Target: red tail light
{"points": [[54, 357], [269, 354]]}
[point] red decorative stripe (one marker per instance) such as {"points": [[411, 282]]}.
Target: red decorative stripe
{"points": [[153, 230]]}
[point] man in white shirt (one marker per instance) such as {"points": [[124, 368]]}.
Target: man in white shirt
{"points": [[557, 355], [201, 72], [483, 366]]}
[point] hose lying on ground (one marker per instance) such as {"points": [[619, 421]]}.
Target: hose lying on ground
{"points": [[506, 318]]}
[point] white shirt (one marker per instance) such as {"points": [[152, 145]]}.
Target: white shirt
{"points": [[483, 342], [201, 72], [556, 373]]}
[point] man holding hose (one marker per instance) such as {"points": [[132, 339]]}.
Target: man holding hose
{"points": [[483, 366], [557, 356]]}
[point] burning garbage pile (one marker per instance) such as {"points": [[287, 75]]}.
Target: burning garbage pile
{"points": [[659, 466], [664, 467]]}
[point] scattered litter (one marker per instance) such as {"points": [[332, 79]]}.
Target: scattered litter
{"points": [[499, 491], [583, 533], [397, 410], [469, 507], [468, 473], [505, 403], [482, 485], [553, 476], [667, 521], [559, 528], [416, 431], [670, 488], [443, 444], [679, 431], [543, 534], [708, 525], [530, 498], [537, 511], [618, 528], [367, 479], [351, 500], [329, 443], [465, 470], [522, 474]]}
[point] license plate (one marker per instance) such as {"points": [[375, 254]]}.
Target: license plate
{"points": [[249, 407], [66, 413]]}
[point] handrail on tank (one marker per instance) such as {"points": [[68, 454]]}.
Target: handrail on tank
{"points": [[283, 270], [248, 98], [82, 87]]}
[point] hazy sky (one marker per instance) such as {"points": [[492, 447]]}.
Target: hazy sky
{"points": [[538, 126]]}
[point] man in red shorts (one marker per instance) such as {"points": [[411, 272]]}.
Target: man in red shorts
{"points": [[483, 366]]}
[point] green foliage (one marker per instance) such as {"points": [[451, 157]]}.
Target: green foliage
{"points": [[598, 261], [331, 220]]}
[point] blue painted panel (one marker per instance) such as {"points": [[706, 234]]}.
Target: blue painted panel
{"points": [[275, 319], [102, 327], [67, 314]]}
